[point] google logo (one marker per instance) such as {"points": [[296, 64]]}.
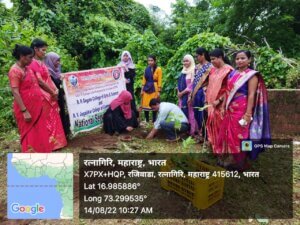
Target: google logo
{"points": [[33, 210]]}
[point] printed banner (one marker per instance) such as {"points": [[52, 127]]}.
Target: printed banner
{"points": [[89, 93]]}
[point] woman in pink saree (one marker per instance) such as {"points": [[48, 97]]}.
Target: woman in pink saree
{"points": [[247, 114], [28, 103], [50, 94], [215, 94]]}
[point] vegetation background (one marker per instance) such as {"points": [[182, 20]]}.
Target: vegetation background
{"points": [[91, 34]]}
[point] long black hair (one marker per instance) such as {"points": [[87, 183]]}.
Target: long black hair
{"points": [[247, 53], [21, 50], [219, 53], [203, 51], [154, 58]]}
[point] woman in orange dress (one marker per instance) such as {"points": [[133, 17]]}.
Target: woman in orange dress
{"points": [[50, 94], [151, 86], [28, 103], [215, 93]]}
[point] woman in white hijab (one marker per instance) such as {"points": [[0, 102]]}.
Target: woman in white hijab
{"points": [[129, 69], [184, 88]]}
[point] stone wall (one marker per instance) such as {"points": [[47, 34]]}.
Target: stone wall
{"points": [[284, 106]]}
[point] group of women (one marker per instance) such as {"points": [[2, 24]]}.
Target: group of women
{"points": [[38, 98], [223, 104], [235, 99]]}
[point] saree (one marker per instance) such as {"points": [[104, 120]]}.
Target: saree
{"points": [[33, 135], [187, 108], [198, 94], [53, 121], [216, 88], [231, 132]]}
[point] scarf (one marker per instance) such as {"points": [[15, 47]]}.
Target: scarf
{"points": [[129, 64], [49, 60], [191, 68], [123, 100]]}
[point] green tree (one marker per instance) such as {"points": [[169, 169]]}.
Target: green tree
{"points": [[276, 21], [13, 32], [93, 31]]}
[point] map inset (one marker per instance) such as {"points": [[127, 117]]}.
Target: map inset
{"points": [[40, 186]]}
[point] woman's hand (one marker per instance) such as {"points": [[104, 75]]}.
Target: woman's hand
{"points": [[216, 103], [54, 95], [27, 116], [222, 112], [189, 100], [247, 117], [129, 128], [179, 94]]}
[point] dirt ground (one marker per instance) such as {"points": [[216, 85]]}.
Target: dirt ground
{"points": [[97, 142]]}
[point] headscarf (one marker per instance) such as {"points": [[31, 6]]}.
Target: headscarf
{"points": [[123, 100], [49, 60], [191, 68], [129, 64]]}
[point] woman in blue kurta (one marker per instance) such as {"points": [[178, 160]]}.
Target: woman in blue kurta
{"points": [[184, 88]]}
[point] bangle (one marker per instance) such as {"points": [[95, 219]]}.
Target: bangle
{"points": [[24, 110]]}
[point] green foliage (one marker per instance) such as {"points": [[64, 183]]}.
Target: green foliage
{"points": [[273, 67], [277, 21], [103, 40], [188, 144], [206, 40], [293, 77], [12, 33], [142, 45], [190, 20], [278, 71], [93, 31]]}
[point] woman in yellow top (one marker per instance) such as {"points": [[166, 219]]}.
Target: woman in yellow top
{"points": [[151, 86]]}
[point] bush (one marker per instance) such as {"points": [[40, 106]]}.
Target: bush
{"points": [[142, 45], [13, 33], [293, 77], [277, 70]]}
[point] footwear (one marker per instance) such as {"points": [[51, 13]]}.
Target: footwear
{"points": [[220, 163], [173, 140]]}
